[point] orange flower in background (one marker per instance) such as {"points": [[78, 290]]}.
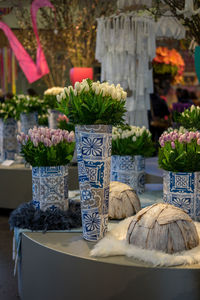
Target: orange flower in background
{"points": [[163, 51], [166, 57]]}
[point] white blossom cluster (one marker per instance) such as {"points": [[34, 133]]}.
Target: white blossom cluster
{"points": [[180, 130], [56, 90], [116, 92], [186, 112], [134, 132]]}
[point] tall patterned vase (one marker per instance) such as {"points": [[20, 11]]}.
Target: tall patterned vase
{"points": [[182, 189], [94, 143], [52, 118], [28, 121], [130, 170], [8, 139], [50, 187]]}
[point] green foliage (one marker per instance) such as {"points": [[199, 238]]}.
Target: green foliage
{"points": [[58, 155], [88, 108], [165, 69], [28, 104], [43, 120], [8, 109], [190, 118], [133, 144], [50, 101], [62, 124], [185, 157]]}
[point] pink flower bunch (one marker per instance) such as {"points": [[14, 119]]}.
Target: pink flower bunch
{"points": [[63, 118], [180, 137], [49, 137]]}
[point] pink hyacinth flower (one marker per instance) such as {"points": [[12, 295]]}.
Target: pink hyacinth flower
{"points": [[173, 145], [71, 137], [19, 138], [35, 143]]}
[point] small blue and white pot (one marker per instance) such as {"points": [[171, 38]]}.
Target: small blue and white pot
{"points": [[52, 118], [50, 187], [93, 144], [28, 121], [129, 170], [182, 189], [8, 139]]}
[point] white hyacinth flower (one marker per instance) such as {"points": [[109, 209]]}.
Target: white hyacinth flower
{"points": [[77, 85], [134, 138]]}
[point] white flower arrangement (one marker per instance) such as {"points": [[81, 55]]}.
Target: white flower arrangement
{"points": [[190, 118], [132, 131], [91, 103], [191, 109], [116, 92], [180, 130], [54, 91], [50, 96], [132, 140]]}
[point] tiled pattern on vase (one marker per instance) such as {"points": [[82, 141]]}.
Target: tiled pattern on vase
{"points": [[8, 139], [28, 121], [182, 189], [129, 170], [94, 144], [50, 187]]}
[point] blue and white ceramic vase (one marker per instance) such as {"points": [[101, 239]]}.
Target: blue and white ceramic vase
{"points": [[28, 121], [182, 190], [93, 144], [50, 187], [8, 139], [129, 170], [52, 118]]}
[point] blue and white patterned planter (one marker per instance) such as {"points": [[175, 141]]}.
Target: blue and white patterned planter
{"points": [[93, 144], [182, 189], [28, 121], [129, 170], [8, 139], [52, 118], [50, 187]]}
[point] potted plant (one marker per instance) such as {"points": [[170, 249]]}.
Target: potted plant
{"points": [[51, 103], [179, 156], [168, 62], [189, 118], [48, 151], [130, 146], [29, 107], [8, 129], [94, 107]]}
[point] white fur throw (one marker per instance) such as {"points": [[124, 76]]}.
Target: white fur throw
{"points": [[114, 243]]}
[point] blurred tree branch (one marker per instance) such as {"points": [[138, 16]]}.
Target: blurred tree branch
{"points": [[192, 24], [70, 41]]}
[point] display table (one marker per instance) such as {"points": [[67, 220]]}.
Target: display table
{"points": [[57, 266], [16, 184]]}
